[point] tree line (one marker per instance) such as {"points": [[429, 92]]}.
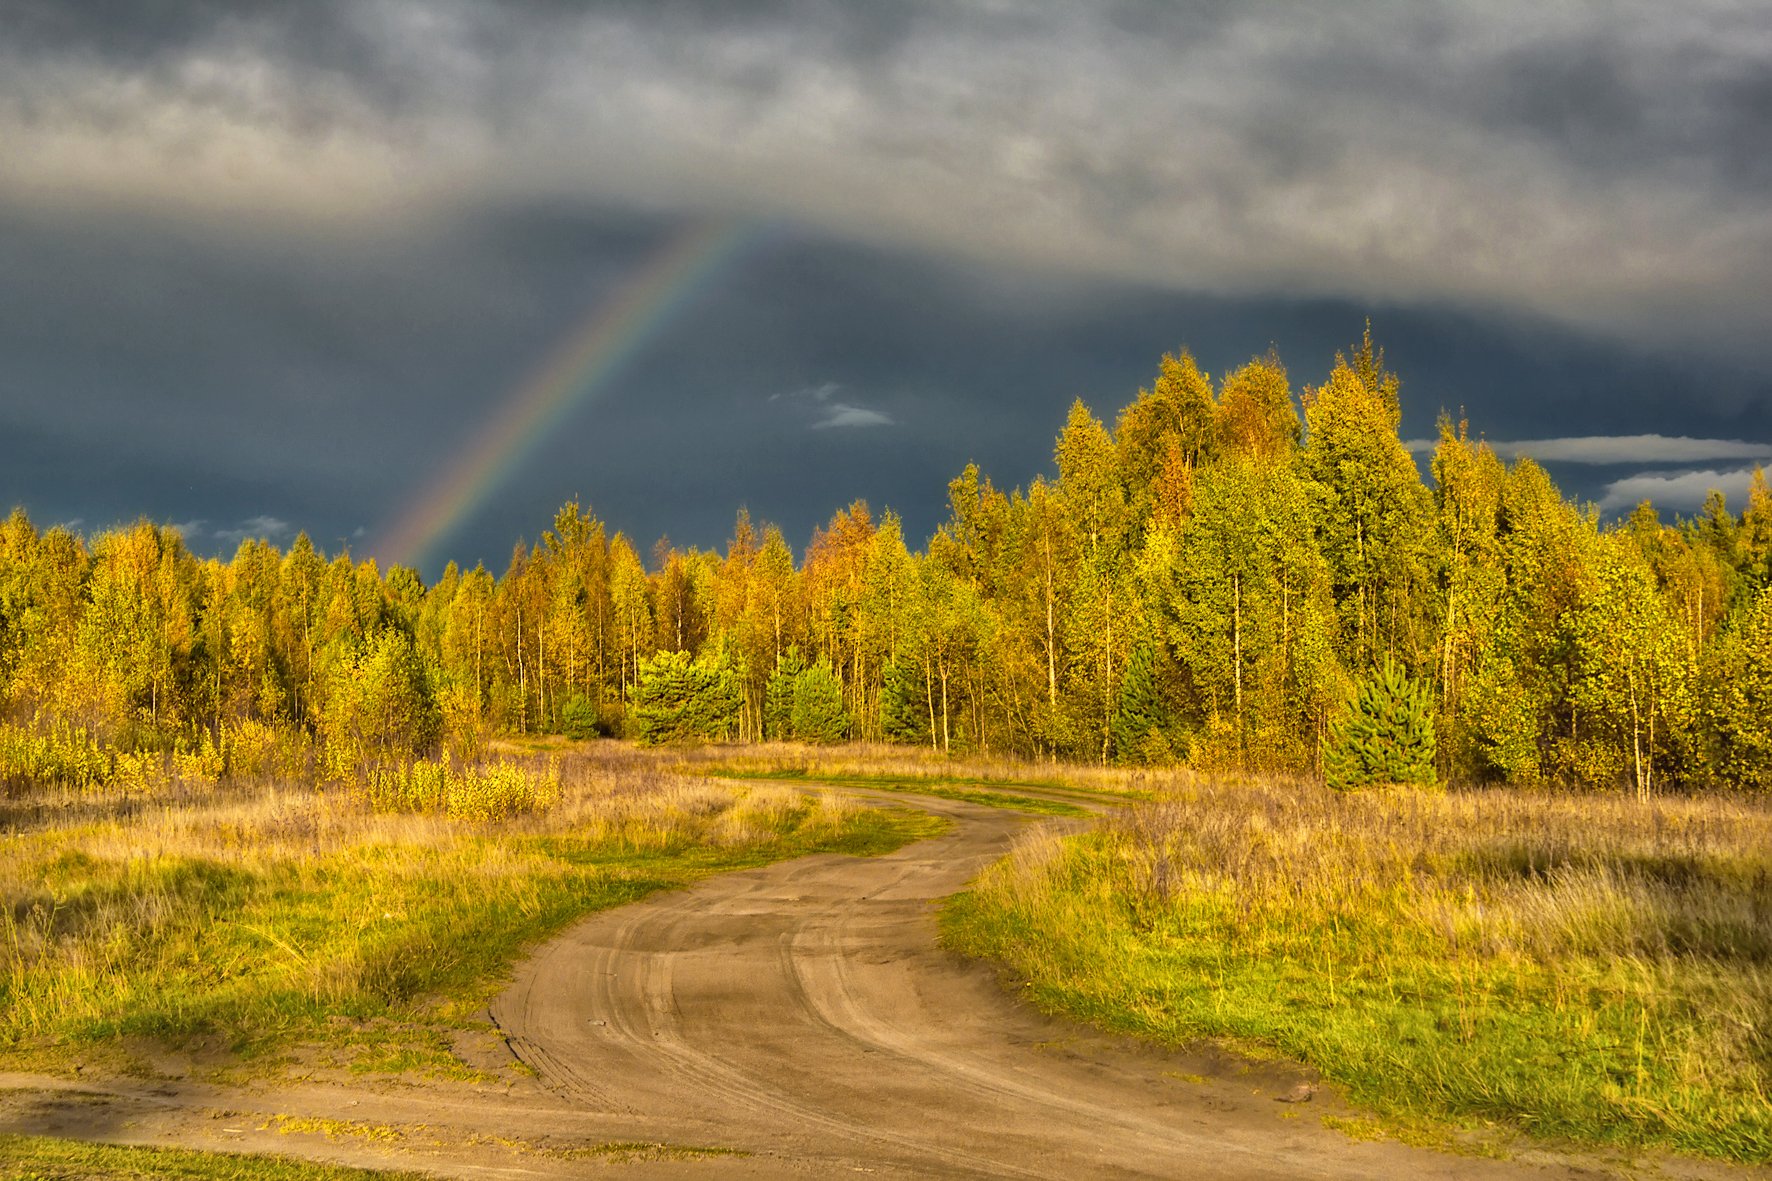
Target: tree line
{"points": [[1210, 581]]}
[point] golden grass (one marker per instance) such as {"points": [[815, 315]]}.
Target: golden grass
{"points": [[252, 915], [875, 760], [1578, 966]]}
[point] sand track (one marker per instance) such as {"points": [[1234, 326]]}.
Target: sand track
{"points": [[803, 1016], [805, 1013]]}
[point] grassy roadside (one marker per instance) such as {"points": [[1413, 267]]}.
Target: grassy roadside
{"points": [[42, 1158], [1580, 969], [967, 790], [865, 764], [240, 924]]}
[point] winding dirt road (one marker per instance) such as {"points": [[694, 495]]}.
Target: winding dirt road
{"points": [[801, 1019], [805, 1014]]}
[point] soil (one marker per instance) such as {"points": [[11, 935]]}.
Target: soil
{"points": [[796, 1020]]}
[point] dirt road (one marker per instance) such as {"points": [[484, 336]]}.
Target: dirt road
{"points": [[802, 1020], [805, 1013]]}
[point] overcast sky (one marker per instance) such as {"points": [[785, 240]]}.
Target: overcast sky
{"points": [[268, 267]]}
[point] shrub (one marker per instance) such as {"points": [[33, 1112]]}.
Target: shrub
{"points": [[679, 699], [381, 706], [1143, 721], [65, 756], [818, 714], [904, 703], [1386, 734], [1740, 722], [493, 792], [580, 718], [778, 695]]}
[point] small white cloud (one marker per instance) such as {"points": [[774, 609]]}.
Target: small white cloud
{"points": [[267, 528], [1678, 491], [189, 530], [841, 414], [831, 414], [1603, 449]]}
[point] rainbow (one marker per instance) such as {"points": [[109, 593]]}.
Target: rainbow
{"points": [[577, 367]]}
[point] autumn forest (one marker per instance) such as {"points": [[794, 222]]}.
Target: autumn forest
{"points": [[1210, 580]]}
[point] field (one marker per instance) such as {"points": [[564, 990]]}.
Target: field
{"points": [[235, 924], [1582, 968], [1487, 970]]}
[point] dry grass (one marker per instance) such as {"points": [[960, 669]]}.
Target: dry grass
{"points": [[35, 1158], [862, 761], [1579, 966], [252, 915]]}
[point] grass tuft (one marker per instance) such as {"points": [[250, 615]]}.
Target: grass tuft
{"points": [[1590, 969], [262, 918], [42, 1158]]}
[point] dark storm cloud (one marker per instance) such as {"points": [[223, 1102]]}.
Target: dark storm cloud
{"points": [[1600, 165], [162, 373], [275, 264]]}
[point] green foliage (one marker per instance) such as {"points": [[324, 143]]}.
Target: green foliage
{"points": [[63, 757], [818, 714], [1386, 735], [1267, 566], [380, 705], [495, 791], [580, 717], [904, 703], [680, 699], [778, 698], [1739, 710], [1143, 722]]}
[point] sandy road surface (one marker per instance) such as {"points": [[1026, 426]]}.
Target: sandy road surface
{"points": [[804, 1012], [803, 1016]]}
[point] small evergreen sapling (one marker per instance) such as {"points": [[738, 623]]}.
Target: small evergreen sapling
{"points": [[818, 714], [1385, 736], [1143, 722]]}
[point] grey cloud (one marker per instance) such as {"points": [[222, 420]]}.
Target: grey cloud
{"points": [[259, 528], [1679, 491], [834, 415], [1595, 165], [840, 415], [1612, 449]]}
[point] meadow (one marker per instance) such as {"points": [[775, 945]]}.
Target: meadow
{"points": [[1577, 967], [1573, 967], [237, 920]]}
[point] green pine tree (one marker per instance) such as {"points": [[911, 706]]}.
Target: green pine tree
{"points": [[1143, 722], [904, 703], [818, 713], [1386, 735], [678, 699], [778, 696]]}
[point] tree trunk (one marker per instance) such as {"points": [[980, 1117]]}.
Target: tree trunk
{"points": [[929, 695], [945, 748], [1051, 652], [1237, 648], [1635, 737]]}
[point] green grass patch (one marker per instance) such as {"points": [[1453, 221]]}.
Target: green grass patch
{"points": [[1434, 986], [971, 791], [370, 948], [43, 1158]]}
